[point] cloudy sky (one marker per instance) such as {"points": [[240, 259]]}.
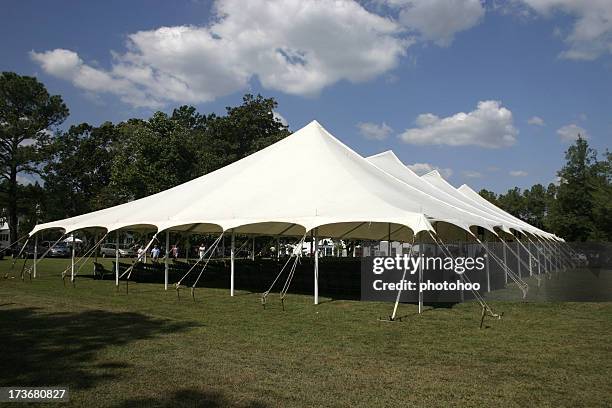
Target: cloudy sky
{"points": [[491, 93]]}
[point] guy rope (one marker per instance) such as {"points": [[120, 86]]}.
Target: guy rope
{"points": [[485, 307], [209, 252], [285, 288]]}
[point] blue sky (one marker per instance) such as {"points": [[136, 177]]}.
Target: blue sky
{"points": [[379, 75]]}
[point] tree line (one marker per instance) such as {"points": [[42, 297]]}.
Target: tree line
{"points": [[578, 207], [85, 168]]}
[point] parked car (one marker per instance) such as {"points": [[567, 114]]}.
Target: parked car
{"points": [[109, 250], [60, 250]]}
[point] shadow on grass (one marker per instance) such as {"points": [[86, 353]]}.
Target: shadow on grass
{"points": [[45, 349], [190, 398]]}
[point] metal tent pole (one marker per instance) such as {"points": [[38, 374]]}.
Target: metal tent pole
{"points": [[316, 269], [389, 240], [72, 260], [35, 253], [420, 274], [505, 261], [518, 259], [488, 271], [167, 260], [117, 258], [530, 263], [253, 251], [232, 266]]}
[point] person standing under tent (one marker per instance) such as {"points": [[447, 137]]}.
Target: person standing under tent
{"points": [[140, 253], [155, 254], [175, 251], [202, 250]]}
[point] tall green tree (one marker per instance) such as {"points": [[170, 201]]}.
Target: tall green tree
{"points": [[244, 130], [489, 195], [513, 202], [155, 154], [78, 170], [27, 114], [571, 214], [602, 200], [535, 205]]}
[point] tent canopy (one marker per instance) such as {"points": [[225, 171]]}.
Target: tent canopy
{"points": [[308, 180]]}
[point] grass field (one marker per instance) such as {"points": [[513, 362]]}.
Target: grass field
{"points": [[150, 349]]}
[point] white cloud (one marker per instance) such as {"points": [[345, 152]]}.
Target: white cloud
{"points": [[280, 118], [536, 121], [293, 46], [424, 168], [373, 131], [438, 20], [591, 33], [27, 179], [489, 125], [569, 133], [471, 174], [518, 173]]}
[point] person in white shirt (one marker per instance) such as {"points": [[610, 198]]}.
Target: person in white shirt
{"points": [[155, 254], [202, 250], [140, 253]]}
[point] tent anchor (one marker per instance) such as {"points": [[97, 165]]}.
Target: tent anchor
{"points": [[193, 293], [390, 319], [484, 314]]}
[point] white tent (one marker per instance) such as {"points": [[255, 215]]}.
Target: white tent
{"points": [[277, 192], [391, 164]]}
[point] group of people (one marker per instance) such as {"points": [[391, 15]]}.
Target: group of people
{"points": [[174, 252], [155, 252]]}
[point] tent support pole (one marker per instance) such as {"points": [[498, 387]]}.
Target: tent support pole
{"points": [[232, 265], [421, 252], [488, 270], [505, 261], [117, 259], [518, 253], [253, 251], [72, 259], [278, 251], [316, 268], [167, 260], [389, 240], [530, 263], [96, 250], [35, 253]]}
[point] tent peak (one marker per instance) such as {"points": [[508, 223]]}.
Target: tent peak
{"points": [[433, 173], [388, 153]]}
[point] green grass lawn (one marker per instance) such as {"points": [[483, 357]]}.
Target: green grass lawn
{"points": [[150, 349]]}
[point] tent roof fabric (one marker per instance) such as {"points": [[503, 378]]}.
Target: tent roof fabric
{"points": [[274, 191], [279, 191], [434, 185], [469, 193]]}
